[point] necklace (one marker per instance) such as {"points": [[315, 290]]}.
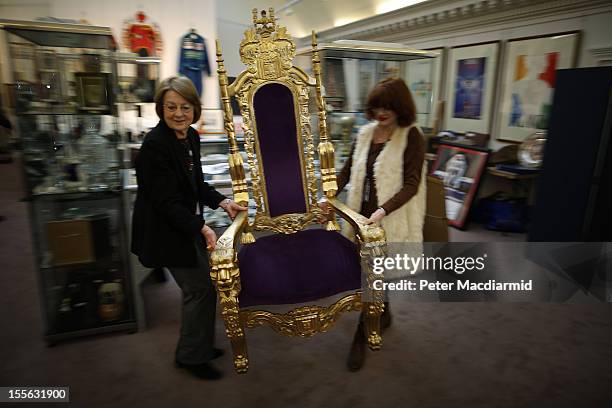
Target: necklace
{"points": [[188, 152], [383, 135]]}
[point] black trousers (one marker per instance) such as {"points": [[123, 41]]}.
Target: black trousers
{"points": [[196, 342]]}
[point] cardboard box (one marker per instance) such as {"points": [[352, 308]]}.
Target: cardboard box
{"points": [[435, 228], [77, 241]]}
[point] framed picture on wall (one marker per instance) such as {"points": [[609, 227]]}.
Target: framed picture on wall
{"points": [[423, 79], [460, 169], [472, 70], [528, 82]]}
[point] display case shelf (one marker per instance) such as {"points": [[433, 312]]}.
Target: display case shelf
{"points": [[223, 139]]}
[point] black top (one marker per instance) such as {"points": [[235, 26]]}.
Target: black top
{"points": [[164, 223], [188, 160]]}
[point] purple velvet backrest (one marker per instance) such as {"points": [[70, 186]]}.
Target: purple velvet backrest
{"points": [[279, 149]]}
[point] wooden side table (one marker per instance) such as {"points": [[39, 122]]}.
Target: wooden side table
{"points": [[521, 185]]}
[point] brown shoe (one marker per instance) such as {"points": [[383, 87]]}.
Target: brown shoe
{"points": [[356, 355]]}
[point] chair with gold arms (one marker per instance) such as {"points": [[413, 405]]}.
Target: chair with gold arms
{"points": [[297, 264]]}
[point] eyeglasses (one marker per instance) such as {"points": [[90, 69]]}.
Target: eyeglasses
{"points": [[184, 108]]}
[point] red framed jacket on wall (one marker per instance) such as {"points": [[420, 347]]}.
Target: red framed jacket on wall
{"points": [[142, 37]]}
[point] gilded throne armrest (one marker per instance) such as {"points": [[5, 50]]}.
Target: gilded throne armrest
{"points": [[371, 237], [372, 244], [225, 275], [224, 268]]}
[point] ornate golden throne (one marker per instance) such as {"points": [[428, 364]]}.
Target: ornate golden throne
{"points": [[300, 263]]}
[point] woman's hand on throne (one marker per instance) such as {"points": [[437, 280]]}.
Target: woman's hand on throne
{"points": [[231, 207], [376, 216], [209, 236]]}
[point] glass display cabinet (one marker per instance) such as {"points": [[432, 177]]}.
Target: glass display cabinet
{"points": [[63, 84], [350, 69]]}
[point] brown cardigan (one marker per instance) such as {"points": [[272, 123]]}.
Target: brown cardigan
{"points": [[414, 155]]}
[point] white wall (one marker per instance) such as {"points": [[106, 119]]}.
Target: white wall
{"points": [[174, 18], [230, 34], [24, 10]]}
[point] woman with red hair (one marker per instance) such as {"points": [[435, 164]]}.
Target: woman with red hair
{"points": [[387, 176]]}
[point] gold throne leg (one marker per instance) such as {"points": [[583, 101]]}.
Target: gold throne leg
{"points": [[372, 312], [234, 328]]}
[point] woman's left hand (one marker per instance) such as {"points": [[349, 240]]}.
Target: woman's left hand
{"points": [[376, 216], [232, 208]]}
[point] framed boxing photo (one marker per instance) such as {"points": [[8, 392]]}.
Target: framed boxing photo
{"points": [[94, 92], [460, 169]]}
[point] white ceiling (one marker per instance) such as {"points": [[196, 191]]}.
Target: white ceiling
{"points": [[305, 15]]}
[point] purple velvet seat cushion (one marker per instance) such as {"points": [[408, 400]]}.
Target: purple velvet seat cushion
{"points": [[297, 268]]}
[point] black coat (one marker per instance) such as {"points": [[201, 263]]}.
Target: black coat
{"points": [[164, 222]]}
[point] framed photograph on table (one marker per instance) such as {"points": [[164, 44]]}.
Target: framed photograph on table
{"points": [[460, 169], [94, 92], [528, 82], [423, 78], [472, 70]]}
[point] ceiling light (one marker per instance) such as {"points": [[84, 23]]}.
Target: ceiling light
{"points": [[390, 5], [344, 21]]}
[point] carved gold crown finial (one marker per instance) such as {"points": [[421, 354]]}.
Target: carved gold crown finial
{"points": [[266, 24], [267, 48]]}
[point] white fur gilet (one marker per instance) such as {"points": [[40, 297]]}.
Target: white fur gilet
{"points": [[405, 224]]}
